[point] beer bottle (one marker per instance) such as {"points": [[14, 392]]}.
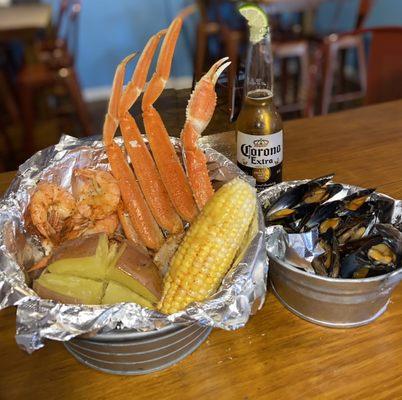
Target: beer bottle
{"points": [[259, 126]]}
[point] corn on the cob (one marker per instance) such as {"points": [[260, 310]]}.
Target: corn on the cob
{"points": [[209, 247]]}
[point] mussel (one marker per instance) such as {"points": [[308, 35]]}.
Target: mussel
{"points": [[329, 215], [324, 217], [353, 204], [354, 228], [328, 263], [375, 255], [285, 205]]}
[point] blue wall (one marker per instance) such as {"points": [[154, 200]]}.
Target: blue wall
{"points": [[112, 29], [385, 13]]}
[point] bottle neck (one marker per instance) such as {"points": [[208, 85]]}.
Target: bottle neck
{"points": [[259, 64]]}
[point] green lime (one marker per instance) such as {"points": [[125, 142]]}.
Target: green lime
{"points": [[257, 20]]}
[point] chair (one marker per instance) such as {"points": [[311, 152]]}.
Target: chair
{"points": [[381, 77], [284, 47], [54, 67], [334, 48], [205, 29], [284, 52]]}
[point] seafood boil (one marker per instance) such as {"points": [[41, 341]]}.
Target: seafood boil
{"points": [[119, 235], [355, 237]]}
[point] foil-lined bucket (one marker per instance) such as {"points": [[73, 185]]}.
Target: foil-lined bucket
{"points": [[122, 338], [330, 302], [335, 303], [138, 353]]}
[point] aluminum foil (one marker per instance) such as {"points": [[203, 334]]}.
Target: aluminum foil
{"points": [[242, 291], [299, 249]]}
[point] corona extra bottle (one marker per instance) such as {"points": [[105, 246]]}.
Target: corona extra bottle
{"points": [[259, 126]]}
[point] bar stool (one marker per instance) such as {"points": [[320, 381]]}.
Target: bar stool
{"points": [[334, 49], [301, 97]]}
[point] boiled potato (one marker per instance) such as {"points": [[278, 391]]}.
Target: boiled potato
{"points": [[116, 293], [91, 270], [135, 270], [69, 289], [86, 257]]}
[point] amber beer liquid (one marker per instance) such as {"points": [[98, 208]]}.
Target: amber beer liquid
{"points": [[259, 126]]}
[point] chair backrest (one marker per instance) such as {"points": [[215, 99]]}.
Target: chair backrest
{"points": [[364, 11], [64, 5], [385, 65], [69, 24]]}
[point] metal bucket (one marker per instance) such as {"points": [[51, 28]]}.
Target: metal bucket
{"points": [[137, 353], [336, 303]]}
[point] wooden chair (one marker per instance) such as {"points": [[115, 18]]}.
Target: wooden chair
{"points": [[56, 68], [334, 48], [381, 77], [284, 49], [205, 29]]}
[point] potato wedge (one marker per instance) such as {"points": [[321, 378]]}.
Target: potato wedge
{"points": [[135, 270], [68, 289], [116, 293], [85, 257]]}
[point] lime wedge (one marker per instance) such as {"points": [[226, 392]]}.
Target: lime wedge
{"points": [[257, 20]]}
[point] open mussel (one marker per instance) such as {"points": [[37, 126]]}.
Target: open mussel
{"points": [[312, 191], [331, 214], [324, 217], [354, 228], [356, 203], [328, 263], [375, 255]]}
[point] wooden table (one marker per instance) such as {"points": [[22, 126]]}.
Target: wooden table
{"points": [[277, 355]]}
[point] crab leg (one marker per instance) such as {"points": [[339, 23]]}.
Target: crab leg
{"points": [[141, 160], [111, 119], [199, 112], [128, 227], [166, 159], [148, 176], [139, 78], [134, 202]]}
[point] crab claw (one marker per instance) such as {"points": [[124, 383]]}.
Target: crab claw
{"points": [[202, 103]]}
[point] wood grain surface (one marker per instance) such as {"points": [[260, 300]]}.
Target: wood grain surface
{"points": [[277, 355]]}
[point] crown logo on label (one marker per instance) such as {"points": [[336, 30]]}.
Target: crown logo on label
{"points": [[261, 143]]}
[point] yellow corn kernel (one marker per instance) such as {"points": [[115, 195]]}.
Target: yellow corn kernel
{"points": [[209, 247]]}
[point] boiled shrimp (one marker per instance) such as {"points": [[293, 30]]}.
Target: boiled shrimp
{"points": [[50, 207], [96, 192], [78, 226]]}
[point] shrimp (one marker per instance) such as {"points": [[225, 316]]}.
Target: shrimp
{"points": [[50, 207], [96, 192], [80, 226]]}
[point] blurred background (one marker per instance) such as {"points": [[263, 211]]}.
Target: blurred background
{"points": [[58, 57]]}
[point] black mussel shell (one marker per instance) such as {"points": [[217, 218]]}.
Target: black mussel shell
{"points": [[322, 213], [373, 255], [294, 221], [354, 202], [354, 228], [328, 263], [292, 197], [382, 207], [321, 194]]}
